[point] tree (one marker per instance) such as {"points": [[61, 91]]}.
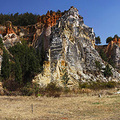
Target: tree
{"points": [[18, 71], [98, 40], [19, 19], [5, 69], [108, 72], [109, 39], [116, 36], [58, 11]]}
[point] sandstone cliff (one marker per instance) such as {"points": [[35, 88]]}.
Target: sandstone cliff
{"points": [[71, 52], [112, 52]]}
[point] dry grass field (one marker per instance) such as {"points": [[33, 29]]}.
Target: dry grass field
{"points": [[70, 107]]}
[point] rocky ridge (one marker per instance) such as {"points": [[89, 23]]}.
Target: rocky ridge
{"points": [[72, 53]]}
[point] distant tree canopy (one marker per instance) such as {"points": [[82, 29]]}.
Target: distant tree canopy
{"points": [[98, 40], [19, 19], [109, 39], [116, 36]]}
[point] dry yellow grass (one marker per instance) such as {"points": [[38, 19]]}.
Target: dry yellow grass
{"points": [[74, 107]]}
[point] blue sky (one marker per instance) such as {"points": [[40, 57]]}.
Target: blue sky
{"points": [[102, 15]]}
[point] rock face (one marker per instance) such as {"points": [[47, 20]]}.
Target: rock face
{"points": [[112, 51], [72, 53], [116, 55], [10, 38]]}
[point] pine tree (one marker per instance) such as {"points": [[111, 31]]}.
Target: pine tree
{"points": [[98, 40], [18, 71], [5, 69], [109, 39]]}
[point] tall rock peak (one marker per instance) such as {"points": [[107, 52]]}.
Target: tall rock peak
{"points": [[72, 52]]}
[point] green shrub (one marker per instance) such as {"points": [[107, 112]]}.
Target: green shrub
{"points": [[27, 91], [98, 85], [107, 71], [111, 84], [53, 90], [66, 90], [10, 85], [98, 65], [84, 85]]}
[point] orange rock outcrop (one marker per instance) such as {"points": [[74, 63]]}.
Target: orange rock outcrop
{"points": [[49, 19], [111, 44], [117, 41], [9, 28]]}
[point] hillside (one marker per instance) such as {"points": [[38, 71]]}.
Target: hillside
{"points": [[58, 48]]}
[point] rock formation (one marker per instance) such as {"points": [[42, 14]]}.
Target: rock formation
{"points": [[9, 35], [113, 51], [49, 19], [9, 28], [71, 52]]}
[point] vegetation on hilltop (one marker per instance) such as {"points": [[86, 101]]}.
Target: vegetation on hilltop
{"points": [[109, 39], [19, 19], [23, 19]]}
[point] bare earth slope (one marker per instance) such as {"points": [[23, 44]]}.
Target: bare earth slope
{"points": [[81, 107]]}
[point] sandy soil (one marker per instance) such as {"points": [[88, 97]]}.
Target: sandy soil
{"points": [[75, 107]]}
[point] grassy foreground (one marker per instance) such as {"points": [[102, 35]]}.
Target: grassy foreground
{"points": [[69, 107]]}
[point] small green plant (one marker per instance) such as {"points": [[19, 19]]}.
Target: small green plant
{"points": [[98, 65], [96, 103], [65, 77]]}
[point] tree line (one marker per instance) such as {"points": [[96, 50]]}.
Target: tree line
{"points": [[19, 19], [109, 39]]}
